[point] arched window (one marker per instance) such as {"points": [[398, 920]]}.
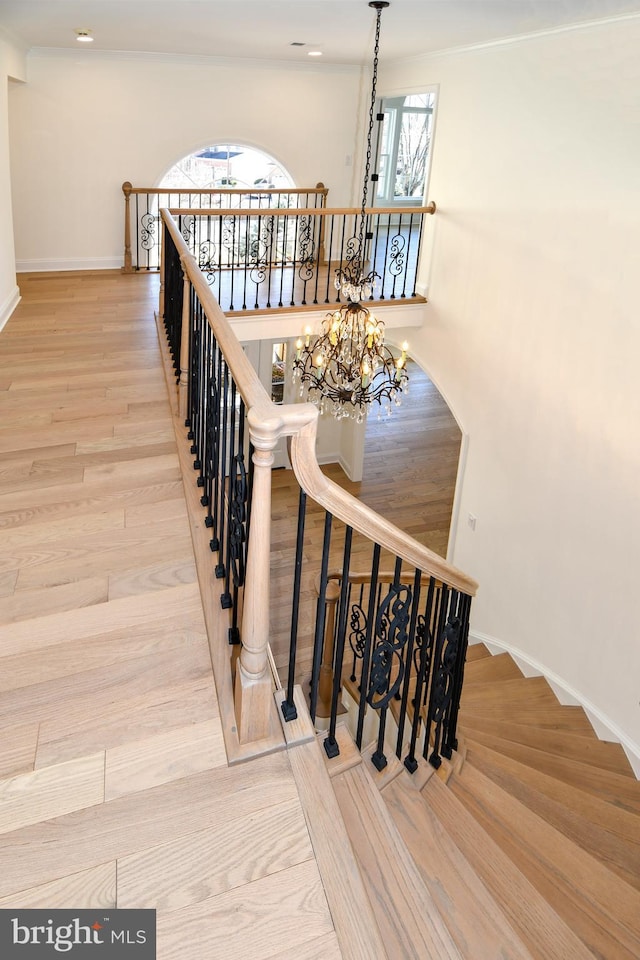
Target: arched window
{"points": [[227, 165]]}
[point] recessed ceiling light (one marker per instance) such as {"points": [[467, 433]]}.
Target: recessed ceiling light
{"points": [[84, 36], [297, 43], [315, 53]]}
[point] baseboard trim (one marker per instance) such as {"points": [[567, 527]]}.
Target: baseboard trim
{"points": [[603, 726], [58, 266], [9, 305]]}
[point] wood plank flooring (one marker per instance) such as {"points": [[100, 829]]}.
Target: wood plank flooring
{"points": [[114, 785]]}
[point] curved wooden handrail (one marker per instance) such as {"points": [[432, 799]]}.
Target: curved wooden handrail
{"points": [[281, 420], [299, 421], [365, 520], [384, 576], [430, 208]]}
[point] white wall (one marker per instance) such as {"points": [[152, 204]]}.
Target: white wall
{"points": [[533, 336], [85, 122], [12, 70]]}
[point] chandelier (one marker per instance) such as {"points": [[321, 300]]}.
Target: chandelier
{"points": [[347, 367]]}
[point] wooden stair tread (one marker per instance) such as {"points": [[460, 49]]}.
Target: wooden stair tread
{"points": [[527, 689], [477, 651], [550, 717], [353, 917], [491, 670], [563, 743], [408, 918], [599, 906], [472, 915], [609, 833], [536, 922], [617, 789]]}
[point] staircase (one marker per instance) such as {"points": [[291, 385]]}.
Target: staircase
{"points": [[526, 845]]}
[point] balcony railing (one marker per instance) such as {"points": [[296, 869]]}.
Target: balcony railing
{"points": [[269, 252], [279, 259], [142, 205], [405, 631]]}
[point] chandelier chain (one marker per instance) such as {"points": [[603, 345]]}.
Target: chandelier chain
{"points": [[367, 169], [348, 367]]}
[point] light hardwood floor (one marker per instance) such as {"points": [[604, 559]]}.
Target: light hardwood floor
{"points": [[114, 784]]}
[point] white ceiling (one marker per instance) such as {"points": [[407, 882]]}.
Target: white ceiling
{"points": [[342, 29]]}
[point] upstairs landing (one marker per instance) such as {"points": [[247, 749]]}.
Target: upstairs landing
{"points": [[114, 783]]}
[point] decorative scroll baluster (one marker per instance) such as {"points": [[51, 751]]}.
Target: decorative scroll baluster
{"points": [[422, 662], [368, 642], [441, 680], [408, 661], [451, 742], [387, 668]]}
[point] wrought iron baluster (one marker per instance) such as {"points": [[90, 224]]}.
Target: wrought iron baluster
{"points": [[205, 473], [288, 708], [450, 739], [398, 263], [376, 242], [420, 234], [137, 232], [285, 230], [233, 247], [213, 405], [214, 543], [196, 414], [295, 260], [241, 522], [330, 743], [391, 636], [440, 687], [408, 661], [222, 482], [437, 624], [225, 599], [246, 222], [409, 252], [321, 609], [238, 532], [422, 661], [368, 642], [357, 632]]}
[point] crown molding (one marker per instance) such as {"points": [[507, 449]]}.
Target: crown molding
{"points": [[515, 39], [178, 59]]}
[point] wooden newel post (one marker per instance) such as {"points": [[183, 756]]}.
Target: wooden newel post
{"points": [[126, 189], [323, 203], [325, 683], [253, 688], [185, 330]]}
